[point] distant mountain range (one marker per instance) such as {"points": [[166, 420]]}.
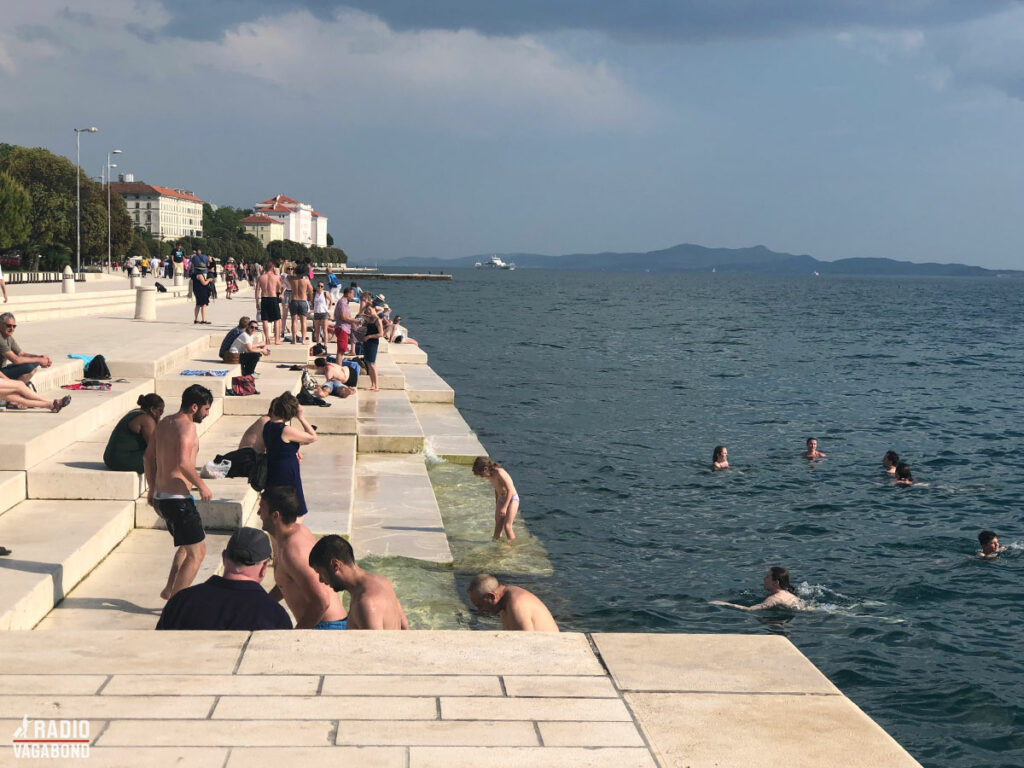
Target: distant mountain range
{"points": [[696, 258]]}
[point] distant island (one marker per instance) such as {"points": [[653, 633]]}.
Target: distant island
{"points": [[757, 260]]}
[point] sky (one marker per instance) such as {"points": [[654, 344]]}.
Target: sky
{"points": [[834, 128]]}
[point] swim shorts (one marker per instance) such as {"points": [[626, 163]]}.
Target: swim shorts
{"points": [[332, 624], [270, 309], [298, 307], [319, 315], [335, 387], [353, 366], [182, 518]]}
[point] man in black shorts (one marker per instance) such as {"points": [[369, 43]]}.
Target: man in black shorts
{"points": [[170, 464], [268, 300]]}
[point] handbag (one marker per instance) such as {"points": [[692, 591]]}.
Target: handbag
{"points": [[258, 473], [243, 385]]}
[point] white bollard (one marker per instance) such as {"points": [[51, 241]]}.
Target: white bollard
{"points": [[179, 278], [134, 279], [145, 303], [67, 283]]}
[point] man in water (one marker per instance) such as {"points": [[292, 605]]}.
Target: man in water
{"points": [[990, 548], [519, 609], [374, 604], [170, 464], [313, 604], [812, 450], [340, 380], [268, 301]]}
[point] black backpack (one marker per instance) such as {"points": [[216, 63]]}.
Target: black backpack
{"points": [[160, 288], [97, 368], [258, 473]]}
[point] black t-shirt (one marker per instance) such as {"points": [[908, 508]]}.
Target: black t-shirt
{"points": [[221, 603]]}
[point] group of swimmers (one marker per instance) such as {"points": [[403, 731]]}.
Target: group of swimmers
{"points": [[891, 461]]}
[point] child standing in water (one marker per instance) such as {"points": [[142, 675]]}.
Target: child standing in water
{"points": [[506, 500]]}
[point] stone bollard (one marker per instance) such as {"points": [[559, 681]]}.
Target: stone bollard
{"points": [[134, 279], [67, 283], [145, 303], [179, 278]]}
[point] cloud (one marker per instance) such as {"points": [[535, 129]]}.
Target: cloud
{"points": [[351, 66], [657, 20]]}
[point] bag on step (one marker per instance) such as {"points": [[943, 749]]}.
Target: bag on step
{"points": [[243, 385], [305, 397], [97, 368], [215, 470], [160, 288], [241, 461], [258, 473]]}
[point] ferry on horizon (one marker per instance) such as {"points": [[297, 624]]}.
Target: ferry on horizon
{"points": [[495, 262]]}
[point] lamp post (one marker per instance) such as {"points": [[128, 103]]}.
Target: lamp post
{"points": [[109, 166], [78, 190]]}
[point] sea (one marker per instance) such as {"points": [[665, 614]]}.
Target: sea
{"points": [[604, 394]]}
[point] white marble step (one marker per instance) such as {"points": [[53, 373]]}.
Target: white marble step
{"points": [[387, 423], [425, 386], [12, 489], [446, 433]]}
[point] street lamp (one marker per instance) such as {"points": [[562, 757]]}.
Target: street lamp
{"points": [[78, 188], [109, 166]]}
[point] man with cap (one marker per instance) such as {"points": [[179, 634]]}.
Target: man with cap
{"points": [[232, 601]]}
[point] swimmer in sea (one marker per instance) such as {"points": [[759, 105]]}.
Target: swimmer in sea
{"points": [[776, 582], [720, 458], [990, 548], [506, 500], [812, 450], [903, 476], [890, 460]]}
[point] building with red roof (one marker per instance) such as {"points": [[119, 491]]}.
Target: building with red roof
{"points": [[267, 229], [299, 221], [167, 213]]}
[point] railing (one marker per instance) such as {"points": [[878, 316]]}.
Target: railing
{"points": [[16, 278]]}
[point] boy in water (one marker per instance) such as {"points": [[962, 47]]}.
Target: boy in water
{"points": [[506, 500], [990, 548], [812, 450]]}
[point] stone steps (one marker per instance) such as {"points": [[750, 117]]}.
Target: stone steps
{"points": [[61, 306], [424, 386], [55, 544], [447, 434], [396, 512], [272, 381], [12, 489], [173, 383], [388, 424], [328, 483], [389, 374], [405, 354], [29, 437]]}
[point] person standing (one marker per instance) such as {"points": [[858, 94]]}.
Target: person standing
{"points": [[283, 442], [170, 465], [302, 292], [3, 283], [268, 301], [343, 322]]}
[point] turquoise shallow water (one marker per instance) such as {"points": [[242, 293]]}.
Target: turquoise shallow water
{"points": [[604, 395]]}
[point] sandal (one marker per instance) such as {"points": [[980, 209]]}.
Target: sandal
{"points": [[65, 401], [4, 551]]}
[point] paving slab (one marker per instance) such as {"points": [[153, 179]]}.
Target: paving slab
{"points": [[418, 653], [385, 708], [446, 433], [568, 734], [55, 544], [123, 592], [425, 386], [106, 707], [412, 685], [529, 757], [559, 685], [13, 489], [319, 757], [156, 757], [217, 733], [437, 733], [702, 730], [99, 652], [395, 512], [210, 685], [714, 663], [52, 685], [388, 424], [553, 708]]}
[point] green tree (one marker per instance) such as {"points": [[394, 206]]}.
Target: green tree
{"points": [[17, 207], [330, 240]]}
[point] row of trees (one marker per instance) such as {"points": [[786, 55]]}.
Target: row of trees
{"points": [[37, 218]]}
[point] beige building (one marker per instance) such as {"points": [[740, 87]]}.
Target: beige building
{"points": [[167, 213], [300, 222], [264, 227]]}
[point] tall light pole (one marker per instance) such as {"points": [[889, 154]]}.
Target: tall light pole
{"points": [[109, 166], [78, 189]]}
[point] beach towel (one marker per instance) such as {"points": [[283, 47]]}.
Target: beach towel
{"points": [[206, 372]]}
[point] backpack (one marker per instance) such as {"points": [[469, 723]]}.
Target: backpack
{"points": [[317, 350], [229, 339], [97, 368], [160, 288], [258, 473], [243, 385], [305, 397]]}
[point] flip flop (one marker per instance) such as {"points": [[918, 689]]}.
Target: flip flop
{"points": [[4, 551], [65, 401]]}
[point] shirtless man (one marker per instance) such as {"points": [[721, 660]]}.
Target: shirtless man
{"points": [[170, 464], [812, 450], [314, 604], [340, 380], [253, 436], [268, 300], [302, 294], [519, 609], [374, 604]]}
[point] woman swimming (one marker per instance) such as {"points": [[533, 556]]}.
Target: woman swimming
{"points": [[890, 460], [506, 500], [720, 458], [776, 582], [812, 450], [903, 475]]}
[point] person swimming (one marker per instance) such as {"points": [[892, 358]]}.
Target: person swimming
{"points": [[990, 548], [720, 458], [812, 450], [782, 595], [903, 475], [890, 460], [506, 500]]}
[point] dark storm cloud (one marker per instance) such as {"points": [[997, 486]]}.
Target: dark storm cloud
{"points": [[654, 20]]}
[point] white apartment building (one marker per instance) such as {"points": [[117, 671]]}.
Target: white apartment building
{"points": [[301, 223], [168, 214]]}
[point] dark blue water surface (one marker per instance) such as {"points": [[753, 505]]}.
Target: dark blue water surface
{"points": [[604, 395]]}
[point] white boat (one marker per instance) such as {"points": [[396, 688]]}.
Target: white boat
{"points": [[495, 262]]}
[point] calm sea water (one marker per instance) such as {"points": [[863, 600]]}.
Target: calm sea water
{"points": [[604, 395]]}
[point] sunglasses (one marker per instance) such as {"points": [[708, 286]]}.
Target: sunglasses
{"points": [[10, 325]]}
